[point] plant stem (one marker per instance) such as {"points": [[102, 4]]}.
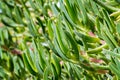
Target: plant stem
{"points": [[98, 49], [99, 67]]}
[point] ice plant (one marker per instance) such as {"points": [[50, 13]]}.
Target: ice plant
{"points": [[59, 39]]}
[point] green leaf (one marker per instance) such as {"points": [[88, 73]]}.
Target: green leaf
{"points": [[65, 13], [28, 60], [40, 51], [59, 51], [73, 44], [46, 73], [50, 30], [71, 10], [29, 67], [118, 28], [59, 34], [9, 22], [18, 16], [110, 23], [87, 38], [107, 7], [56, 62], [83, 11], [55, 76]]}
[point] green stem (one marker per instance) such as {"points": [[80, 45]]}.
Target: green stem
{"points": [[98, 49], [99, 67]]}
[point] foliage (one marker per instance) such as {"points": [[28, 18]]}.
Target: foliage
{"points": [[59, 39]]}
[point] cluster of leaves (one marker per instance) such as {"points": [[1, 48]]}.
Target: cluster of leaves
{"points": [[59, 39]]}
